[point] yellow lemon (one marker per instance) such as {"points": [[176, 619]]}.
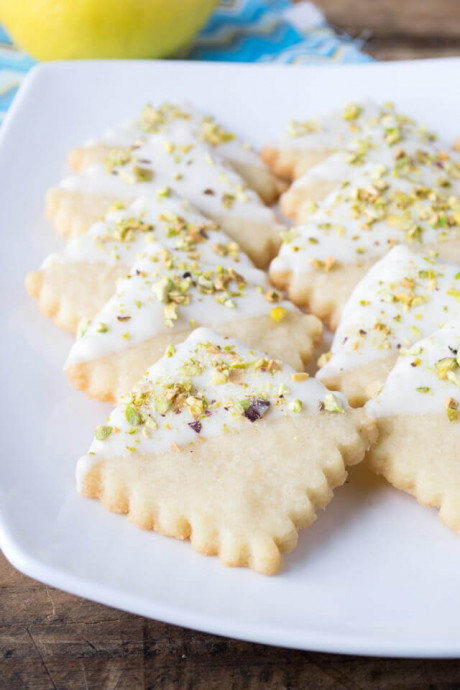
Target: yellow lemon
{"points": [[69, 29]]}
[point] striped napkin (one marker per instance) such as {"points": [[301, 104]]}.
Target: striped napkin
{"points": [[238, 31]]}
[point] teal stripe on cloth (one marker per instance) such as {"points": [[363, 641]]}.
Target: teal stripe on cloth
{"points": [[275, 31], [238, 31], [14, 64]]}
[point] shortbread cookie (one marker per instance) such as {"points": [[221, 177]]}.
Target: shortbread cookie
{"points": [[403, 298], [192, 170], [418, 414], [166, 119], [305, 144], [404, 147], [166, 295], [321, 261], [214, 448], [74, 285]]}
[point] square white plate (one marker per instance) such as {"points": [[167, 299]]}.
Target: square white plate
{"points": [[377, 574]]}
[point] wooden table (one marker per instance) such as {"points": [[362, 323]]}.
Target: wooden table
{"points": [[399, 29], [52, 640], [49, 639]]}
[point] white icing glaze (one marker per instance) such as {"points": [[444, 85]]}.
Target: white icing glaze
{"points": [[382, 139], [333, 130], [196, 364], [418, 383], [191, 169], [403, 298], [154, 219], [136, 312], [370, 212], [198, 125]]}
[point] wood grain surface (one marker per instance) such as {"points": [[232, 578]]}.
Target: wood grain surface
{"points": [[399, 29], [52, 640]]}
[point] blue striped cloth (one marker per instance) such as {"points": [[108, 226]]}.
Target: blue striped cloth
{"points": [[238, 31], [275, 31], [13, 66]]}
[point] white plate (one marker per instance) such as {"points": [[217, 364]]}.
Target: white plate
{"points": [[377, 574]]}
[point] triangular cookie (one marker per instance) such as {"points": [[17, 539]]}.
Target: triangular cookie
{"points": [[403, 298], [169, 161], [74, 285], [221, 445], [306, 143], [320, 262], [203, 127], [418, 415], [395, 141], [168, 293]]}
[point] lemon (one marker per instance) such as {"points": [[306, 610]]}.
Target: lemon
{"points": [[68, 29]]}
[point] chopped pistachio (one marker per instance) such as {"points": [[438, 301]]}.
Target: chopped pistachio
{"points": [[171, 314], [152, 119], [103, 432], [332, 403], [82, 327], [288, 236], [191, 368], [309, 207], [162, 405], [228, 200], [133, 417], [142, 174], [220, 377], [452, 409], [299, 129], [283, 390], [446, 366], [213, 133], [295, 405], [168, 146], [352, 111], [196, 405], [116, 206], [117, 158], [170, 350]]}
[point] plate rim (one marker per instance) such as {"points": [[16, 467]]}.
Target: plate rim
{"points": [[311, 641]]}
